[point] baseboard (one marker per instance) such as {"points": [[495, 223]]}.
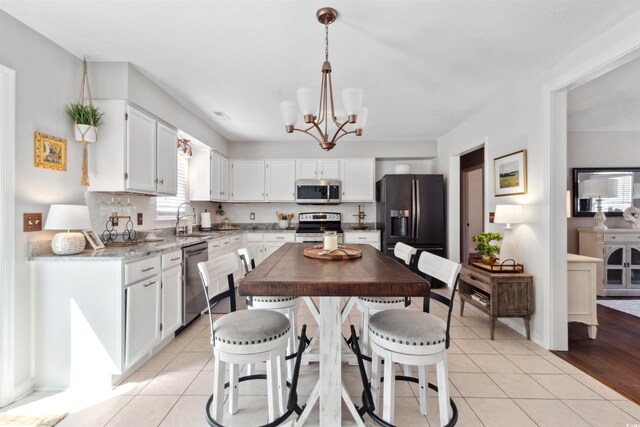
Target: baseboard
{"points": [[23, 389]]}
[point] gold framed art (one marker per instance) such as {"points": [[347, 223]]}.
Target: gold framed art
{"points": [[50, 152], [510, 174]]}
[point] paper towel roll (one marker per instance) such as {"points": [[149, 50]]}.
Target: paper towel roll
{"points": [[205, 220]]}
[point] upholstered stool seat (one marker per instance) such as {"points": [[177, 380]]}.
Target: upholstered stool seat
{"points": [[250, 327], [409, 328]]}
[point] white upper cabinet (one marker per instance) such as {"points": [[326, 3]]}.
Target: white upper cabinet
{"points": [[141, 151], [329, 169], [167, 162], [318, 169], [208, 176], [358, 180], [248, 180], [216, 190], [224, 178], [280, 180]]}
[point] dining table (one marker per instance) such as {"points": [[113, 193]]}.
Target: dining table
{"points": [[288, 272]]}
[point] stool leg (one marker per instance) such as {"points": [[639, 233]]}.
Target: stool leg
{"points": [[250, 367], [217, 408], [389, 396], [443, 390], [233, 388], [424, 388], [272, 386], [282, 384], [375, 378], [406, 369]]}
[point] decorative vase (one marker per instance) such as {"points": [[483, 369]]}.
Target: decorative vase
{"points": [[86, 133], [283, 224], [489, 259]]}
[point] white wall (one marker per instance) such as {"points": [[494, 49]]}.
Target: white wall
{"points": [[521, 119], [595, 149], [47, 78]]}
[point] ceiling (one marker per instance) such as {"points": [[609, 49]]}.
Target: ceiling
{"points": [[424, 66], [609, 103]]}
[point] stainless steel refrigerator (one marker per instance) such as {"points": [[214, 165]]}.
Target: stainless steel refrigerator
{"points": [[410, 209]]}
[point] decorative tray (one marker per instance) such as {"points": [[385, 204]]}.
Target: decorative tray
{"points": [[507, 266], [339, 254]]}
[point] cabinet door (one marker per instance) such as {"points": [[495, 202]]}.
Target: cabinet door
{"points": [[216, 175], [328, 169], [171, 301], [257, 250], [614, 266], [271, 247], [633, 262], [141, 152], [167, 163], [281, 179], [224, 178], [247, 179], [358, 180], [142, 321], [306, 169]]}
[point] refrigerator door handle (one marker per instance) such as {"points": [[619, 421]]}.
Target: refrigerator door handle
{"points": [[413, 208], [417, 208]]}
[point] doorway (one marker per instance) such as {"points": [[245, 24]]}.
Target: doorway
{"points": [[471, 200]]}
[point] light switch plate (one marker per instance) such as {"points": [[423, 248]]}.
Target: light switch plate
{"points": [[492, 217], [32, 222], [252, 216], [140, 218]]}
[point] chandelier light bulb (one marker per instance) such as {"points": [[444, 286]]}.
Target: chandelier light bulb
{"points": [[308, 101], [352, 101], [362, 117], [289, 110]]}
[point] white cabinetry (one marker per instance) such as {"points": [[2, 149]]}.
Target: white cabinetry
{"points": [[273, 241], [281, 177], [253, 242], [223, 177], [358, 180], [214, 251], [318, 169], [363, 237], [135, 152], [208, 176], [247, 180], [171, 293], [620, 251], [581, 291]]}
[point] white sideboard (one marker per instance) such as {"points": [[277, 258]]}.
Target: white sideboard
{"points": [[581, 291], [619, 250]]}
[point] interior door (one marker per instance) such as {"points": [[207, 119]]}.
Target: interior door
{"points": [[472, 212], [167, 160], [141, 151]]}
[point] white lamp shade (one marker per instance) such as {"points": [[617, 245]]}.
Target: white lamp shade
{"points": [[603, 188], [362, 118], [68, 217], [352, 100], [289, 111], [636, 190], [308, 99], [508, 214]]}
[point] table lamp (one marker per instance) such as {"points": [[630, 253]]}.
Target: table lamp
{"points": [[508, 214], [68, 217], [599, 189]]}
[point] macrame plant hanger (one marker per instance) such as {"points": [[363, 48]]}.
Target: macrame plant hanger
{"points": [[84, 181]]}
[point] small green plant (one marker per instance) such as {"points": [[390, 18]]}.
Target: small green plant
{"points": [[483, 243], [85, 114]]}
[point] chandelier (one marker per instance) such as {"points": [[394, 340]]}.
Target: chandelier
{"points": [[320, 117]]}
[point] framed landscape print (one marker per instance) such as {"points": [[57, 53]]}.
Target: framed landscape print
{"points": [[50, 152], [510, 174]]}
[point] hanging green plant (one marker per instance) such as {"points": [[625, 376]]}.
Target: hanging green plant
{"points": [[483, 246], [85, 114]]}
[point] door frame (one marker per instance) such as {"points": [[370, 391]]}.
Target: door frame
{"points": [[7, 230]]}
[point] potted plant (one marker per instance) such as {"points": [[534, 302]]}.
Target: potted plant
{"points": [[483, 246], [86, 120]]}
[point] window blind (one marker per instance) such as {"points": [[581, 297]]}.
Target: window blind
{"points": [[166, 207], [625, 191]]}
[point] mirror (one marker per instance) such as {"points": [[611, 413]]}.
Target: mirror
{"points": [[619, 188]]}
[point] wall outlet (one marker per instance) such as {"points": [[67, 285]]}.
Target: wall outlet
{"points": [[252, 216], [492, 217], [32, 222], [140, 218]]}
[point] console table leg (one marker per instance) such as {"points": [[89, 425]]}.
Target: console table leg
{"points": [[461, 305], [493, 326], [527, 327]]}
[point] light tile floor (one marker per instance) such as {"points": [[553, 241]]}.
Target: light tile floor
{"points": [[506, 382]]}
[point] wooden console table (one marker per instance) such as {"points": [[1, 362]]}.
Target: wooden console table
{"points": [[507, 294]]}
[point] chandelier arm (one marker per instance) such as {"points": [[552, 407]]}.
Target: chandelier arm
{"points": [[335, 135], [344, 134], [310, 134], [333, 111], [321, 111]]}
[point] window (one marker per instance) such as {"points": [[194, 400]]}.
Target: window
{"points": [[166, 207], [625, 190]]}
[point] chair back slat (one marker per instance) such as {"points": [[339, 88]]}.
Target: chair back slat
{"points": [[246, 258], [404, 252], [438, 267]]}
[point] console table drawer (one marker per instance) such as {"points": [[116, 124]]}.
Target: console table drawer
{"points": [[475, 280], [621, 237]]}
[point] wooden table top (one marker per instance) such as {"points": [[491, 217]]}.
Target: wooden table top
{"points": [[287, 272]]}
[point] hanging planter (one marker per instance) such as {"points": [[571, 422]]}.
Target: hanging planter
{"points": [[86, 119]]}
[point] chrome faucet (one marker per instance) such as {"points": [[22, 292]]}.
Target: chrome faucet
{"points": [[179, 217]]}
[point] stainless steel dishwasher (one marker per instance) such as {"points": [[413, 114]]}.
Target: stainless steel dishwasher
{"points": [[193, 296]]}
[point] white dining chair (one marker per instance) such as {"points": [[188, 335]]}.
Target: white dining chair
{"points": [[286, 305], [243, 337], [415, 338]]}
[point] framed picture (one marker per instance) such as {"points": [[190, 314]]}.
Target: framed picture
{"points": [[50, 152], [93, 239], [510, 174]]}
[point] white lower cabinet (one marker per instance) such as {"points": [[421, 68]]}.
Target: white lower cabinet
{"points": [[363, 237], [253, 242], [273, 241], [171, 301], [142, 318]]}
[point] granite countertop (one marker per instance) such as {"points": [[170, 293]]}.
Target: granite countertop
{"points": [[348, 226]]}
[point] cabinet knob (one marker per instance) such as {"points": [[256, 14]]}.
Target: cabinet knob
{"points": [[162, 181]]}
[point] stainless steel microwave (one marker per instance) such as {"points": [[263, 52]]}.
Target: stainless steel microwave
{"points": [[317, 192]]}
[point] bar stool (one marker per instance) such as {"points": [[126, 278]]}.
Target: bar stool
{"points": [[286, 305], [244, 337], [414, 338], [369, 306]]}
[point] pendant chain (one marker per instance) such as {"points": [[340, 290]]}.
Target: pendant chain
{"points": [[326, 42]]}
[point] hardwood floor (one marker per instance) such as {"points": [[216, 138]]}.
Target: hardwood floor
{"points": [[614, 357]]}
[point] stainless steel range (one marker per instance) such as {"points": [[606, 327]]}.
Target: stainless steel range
{"points": [[312, 225]]}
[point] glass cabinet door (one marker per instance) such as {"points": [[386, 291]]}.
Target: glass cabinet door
{"points": [[614, 266], [633, 272]]}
